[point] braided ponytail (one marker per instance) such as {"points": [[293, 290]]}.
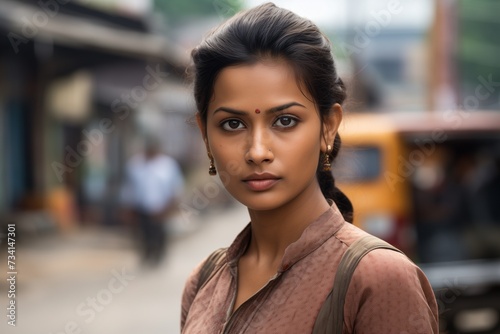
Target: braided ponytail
{"points": [[327, 184]]}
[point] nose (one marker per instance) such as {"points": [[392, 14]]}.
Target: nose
{"points": [[259, 148]]}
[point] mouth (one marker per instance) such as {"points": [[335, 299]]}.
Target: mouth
{"points": [[261, 182]]}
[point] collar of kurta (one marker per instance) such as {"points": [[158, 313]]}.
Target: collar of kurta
{"points": [[319, 231]]}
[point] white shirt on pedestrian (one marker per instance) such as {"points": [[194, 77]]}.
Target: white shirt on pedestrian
{"points": [[152, 183]]}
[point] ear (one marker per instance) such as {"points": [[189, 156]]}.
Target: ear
{"points": [[203, 130], [330, 126]]}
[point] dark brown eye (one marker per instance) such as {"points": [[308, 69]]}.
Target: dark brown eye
{"points": [[232, 124], [286, 121]]}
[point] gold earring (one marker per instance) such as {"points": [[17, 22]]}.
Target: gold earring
{"points": [[211, 169], [327, 167]]}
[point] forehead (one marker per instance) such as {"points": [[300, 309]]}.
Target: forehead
{"points": [[262, 84]]}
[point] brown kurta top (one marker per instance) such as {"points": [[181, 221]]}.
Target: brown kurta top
{"points": [[387, 294]]}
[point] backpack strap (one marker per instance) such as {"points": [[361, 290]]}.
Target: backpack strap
{"points": [[210, 267], [331, 315]]}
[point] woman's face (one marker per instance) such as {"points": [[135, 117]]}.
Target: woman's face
{"points": [[264, 135]]}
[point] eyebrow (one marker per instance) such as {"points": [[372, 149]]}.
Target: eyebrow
{"points": [[271, 110]]}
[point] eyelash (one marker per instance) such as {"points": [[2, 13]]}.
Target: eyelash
{"points": [[293, 119]]}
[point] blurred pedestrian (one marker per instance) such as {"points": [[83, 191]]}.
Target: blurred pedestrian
{"points": [[153, 184], [269, 106]]}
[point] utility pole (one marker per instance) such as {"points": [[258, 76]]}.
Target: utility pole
{"points": [[442, 93]]}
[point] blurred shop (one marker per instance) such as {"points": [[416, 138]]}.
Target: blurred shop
{"points": [[79, 85]]}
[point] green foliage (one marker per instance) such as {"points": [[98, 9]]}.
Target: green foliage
{"points": [[177, 10], [478, 48]]}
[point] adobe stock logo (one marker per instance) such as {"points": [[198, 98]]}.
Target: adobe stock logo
{"points": [[226, 8], [31, 24], [97, 303], [424, 148], [121, 108], [379, 20]]}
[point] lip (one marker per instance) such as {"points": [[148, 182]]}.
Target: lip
{"points": [[261, 182]]}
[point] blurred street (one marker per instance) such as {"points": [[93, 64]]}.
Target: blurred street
{"points": [[99, 143], [92, 281]]}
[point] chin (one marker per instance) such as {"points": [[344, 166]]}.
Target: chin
{"points": [[262, 201], [260, 206]]}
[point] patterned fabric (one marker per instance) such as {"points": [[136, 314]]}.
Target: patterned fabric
{"points": [[388, 293]]}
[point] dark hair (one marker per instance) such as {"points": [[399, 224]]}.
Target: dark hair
{"points": [[268, 31]]}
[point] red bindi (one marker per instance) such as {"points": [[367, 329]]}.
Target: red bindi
{"points": [[257, 111]]}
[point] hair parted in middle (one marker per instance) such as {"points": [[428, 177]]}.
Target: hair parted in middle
{"points": [[269, 32]]}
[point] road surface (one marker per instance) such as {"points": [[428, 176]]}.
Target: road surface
{"points": [[92, 281]]}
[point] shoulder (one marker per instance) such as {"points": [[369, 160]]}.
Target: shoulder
{"points": [[191, 284], [391, 294], [197, 277], [190, 290], [204, 269], [387, 269], [379, 264]]}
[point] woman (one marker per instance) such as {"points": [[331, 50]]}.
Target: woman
{"points": [[269, 106]]}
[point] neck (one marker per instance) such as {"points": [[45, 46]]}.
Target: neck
{"points": [[274, 230]]}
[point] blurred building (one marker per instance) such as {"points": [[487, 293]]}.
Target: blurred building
{"points": [[78, 85], [412, 55], [381, 49]]}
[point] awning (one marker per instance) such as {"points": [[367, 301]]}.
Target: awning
{"points": [[79, 33]]}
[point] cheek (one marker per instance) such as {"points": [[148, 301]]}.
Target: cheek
{"points": [[309, 159], [219, 143], [306, 146], [230, 165], [305, 155], [227, 155]]}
